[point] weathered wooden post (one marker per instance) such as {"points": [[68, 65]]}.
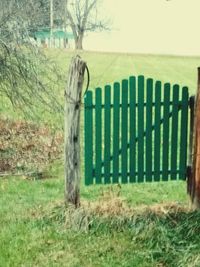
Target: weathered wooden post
{"points": [[73, 94], [194, 189]]}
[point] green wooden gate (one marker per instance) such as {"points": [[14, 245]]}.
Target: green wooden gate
{"points": [[136, 131]]}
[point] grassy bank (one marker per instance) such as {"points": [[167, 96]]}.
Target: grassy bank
{"points": [[136, 225], [140, 225]]}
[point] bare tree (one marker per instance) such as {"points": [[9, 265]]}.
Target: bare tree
{"points": [[34, 12], [27, 77], [83, 16]]}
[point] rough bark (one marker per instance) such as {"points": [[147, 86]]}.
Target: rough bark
{"points": [[195, 175], [72, 131], [79, 42]]}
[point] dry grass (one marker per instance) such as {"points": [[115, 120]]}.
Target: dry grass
{"points": [[115, 209], [111, 203], [25, 146]]}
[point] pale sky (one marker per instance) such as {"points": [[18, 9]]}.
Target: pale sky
{"points": [[150, 26]]}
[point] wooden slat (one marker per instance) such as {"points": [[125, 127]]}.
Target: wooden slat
{"points": [[132, 122], [124, 132], [98, 135], [148, 153], [140, 128], [116, 128], [165, 163], [88, 139], [184, 130], [107, 133], [157, 134], [174, 133]]}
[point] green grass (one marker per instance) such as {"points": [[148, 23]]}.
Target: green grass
{"points": [[34, 232], [105, 68], [33, 229], [33, 222]]}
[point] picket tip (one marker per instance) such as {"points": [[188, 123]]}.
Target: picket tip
{"points": [[132, 77], [125, 82], [176, 85], [98, 90], [116, 84], [140, 77], [158, 82], [107, 87]]}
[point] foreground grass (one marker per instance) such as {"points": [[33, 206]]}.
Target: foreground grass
{"points": [[35, 229]]}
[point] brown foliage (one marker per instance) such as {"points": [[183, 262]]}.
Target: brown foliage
{"points": [[25, 146]]}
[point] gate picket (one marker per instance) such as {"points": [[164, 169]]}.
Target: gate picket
{"points": [[165, 146], [148, 137], [157, 134], [124, 122], [116, 128], [132, 121], [98, 135], [88, 139], [174, 135], [107, 134], [141, 129], [183, 141], [148, 154]]}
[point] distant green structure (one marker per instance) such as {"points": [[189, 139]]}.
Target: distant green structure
{"points": [[60, 38]]}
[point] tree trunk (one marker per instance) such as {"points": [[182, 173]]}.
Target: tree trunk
{"points": [[72, 131], [195, 174], [79, 42]]}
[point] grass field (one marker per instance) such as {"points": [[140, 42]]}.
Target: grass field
{"points": [[106, 68], [141, 225]]}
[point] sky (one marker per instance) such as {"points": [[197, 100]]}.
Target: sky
{"points": [[149, 26]]}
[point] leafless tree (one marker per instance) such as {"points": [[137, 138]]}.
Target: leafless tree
{"points": [[34, 12], [83, 16], [27, 77]]}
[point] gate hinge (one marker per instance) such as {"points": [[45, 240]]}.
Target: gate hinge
{"points": [[189, 171], [191, 102]]}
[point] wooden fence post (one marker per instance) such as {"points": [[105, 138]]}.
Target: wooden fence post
{"points": [[73, 93], [194, 189]]}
